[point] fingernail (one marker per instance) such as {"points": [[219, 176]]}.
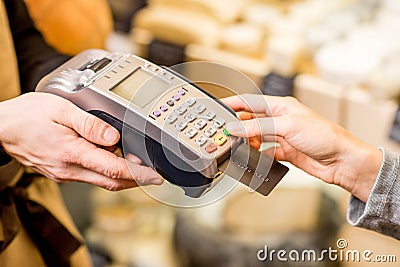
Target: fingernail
{"points": [[235, 128], [157, 181], [152, 181], [111, 135], [132, 158]]}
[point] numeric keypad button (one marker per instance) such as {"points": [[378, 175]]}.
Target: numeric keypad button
{"points": [[211, 147], [200, 108], [180, 126], [201, 140], [171, 118], [181, 110], [191, 133], [210, 115], [190, 117], [210, 132], [200, 124], [218, 123], [220, 139], [190, 101]]}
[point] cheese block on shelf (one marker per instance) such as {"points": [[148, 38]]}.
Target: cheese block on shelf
{"points": [[323, 97], [254, 68], [370, 119], [283, 6], [393, 5], [284, 54], [385, 82], [243, 39], [348, 63], [262, 15], [224, 11], [178, 26], [142, 39]]}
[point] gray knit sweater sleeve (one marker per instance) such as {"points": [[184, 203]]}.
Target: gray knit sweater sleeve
{"points": [[381, 213]]}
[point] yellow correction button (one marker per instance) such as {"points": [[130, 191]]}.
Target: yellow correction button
{"points": [[220, 139]]}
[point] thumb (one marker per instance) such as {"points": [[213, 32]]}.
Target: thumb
{"points": [[90, 127]]}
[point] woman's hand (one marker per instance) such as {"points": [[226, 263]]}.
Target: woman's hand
{"points": [[57, 139], [307, 140]]}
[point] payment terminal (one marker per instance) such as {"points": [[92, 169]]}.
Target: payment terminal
{"points": [[174, 126]]}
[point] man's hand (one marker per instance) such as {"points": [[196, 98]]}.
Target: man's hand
{"points": [[57, 139]]}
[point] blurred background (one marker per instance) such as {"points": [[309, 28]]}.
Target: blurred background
{"points": [[339, 57]]}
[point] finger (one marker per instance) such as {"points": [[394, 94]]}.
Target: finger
{"points": [[88, 126], [144, 175], [276, 153], [246, 116], [132, 158], [270, 105], [79, 174], [243, 116], [96, 159], [269, 138], [112, 149], [91, 177], [260, 127], [282, 150], [255, 142], [120, 168], [105, 163], [247, 102], [253, 116]]}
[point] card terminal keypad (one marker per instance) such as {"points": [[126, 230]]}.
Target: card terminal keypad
{"points": [[190, 116]]}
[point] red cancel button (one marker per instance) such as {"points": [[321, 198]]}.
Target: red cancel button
{"points": [[210, 148]]}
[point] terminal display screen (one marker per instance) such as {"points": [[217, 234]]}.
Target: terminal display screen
{"points": [[139, 88]]}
